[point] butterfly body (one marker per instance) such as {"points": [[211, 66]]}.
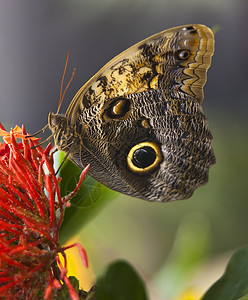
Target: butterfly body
{"points": [[139, 120]]}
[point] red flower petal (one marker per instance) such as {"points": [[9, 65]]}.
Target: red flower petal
{"points": [[29, 198]]}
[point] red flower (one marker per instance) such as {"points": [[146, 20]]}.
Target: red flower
{"points": [[31, 213]]}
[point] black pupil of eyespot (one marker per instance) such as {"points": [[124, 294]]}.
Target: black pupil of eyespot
{"points": [[189, 27], [144, 157]]}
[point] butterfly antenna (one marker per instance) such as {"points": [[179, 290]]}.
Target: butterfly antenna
{"points": [[62, 94], [43, 142], [37, 132]]}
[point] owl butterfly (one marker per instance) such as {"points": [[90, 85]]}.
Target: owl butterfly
{"points": [[139, 120]]}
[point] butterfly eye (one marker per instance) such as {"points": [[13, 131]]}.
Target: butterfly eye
{"points": [[183, 54], [118, 109], [54, 120], [144, 157]]}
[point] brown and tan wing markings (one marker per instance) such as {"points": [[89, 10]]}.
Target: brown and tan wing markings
{"points": [[202, 49], [153, 63]]}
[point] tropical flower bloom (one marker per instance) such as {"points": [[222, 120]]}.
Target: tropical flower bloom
{"points": [[31, 213]]}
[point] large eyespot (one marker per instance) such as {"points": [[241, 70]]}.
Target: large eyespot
{"points": [[144, 157], [116, 109], [183, 54]]}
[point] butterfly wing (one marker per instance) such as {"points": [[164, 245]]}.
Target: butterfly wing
{"points": [[176, 59], [139, 119]]}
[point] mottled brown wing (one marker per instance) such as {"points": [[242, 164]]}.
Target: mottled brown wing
{"points": [[175, 60]]}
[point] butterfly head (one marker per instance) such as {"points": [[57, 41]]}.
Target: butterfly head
{"points": [[61, 131]]}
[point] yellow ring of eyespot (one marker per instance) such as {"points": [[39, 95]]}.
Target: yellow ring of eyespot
{"points": [[155, 164]]}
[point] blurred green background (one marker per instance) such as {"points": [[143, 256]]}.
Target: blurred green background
{"points": [[193, 238]]}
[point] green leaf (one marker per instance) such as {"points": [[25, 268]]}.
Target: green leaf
{"points": [[244, 297], [89, 200], [190, 248], [64, 294], [233, 285], [64, 291], [120, 282]]}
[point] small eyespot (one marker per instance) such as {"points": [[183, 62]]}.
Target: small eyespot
{"points": [[143, 123], [117, 109], [188, 28], [144, 157], [183, 54]]}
